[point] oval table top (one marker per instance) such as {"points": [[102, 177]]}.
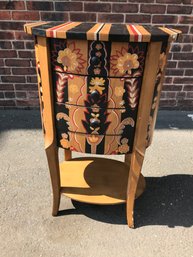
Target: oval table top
{"points": [[102, 31]]}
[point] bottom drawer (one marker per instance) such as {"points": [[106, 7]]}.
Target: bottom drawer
{"points": [[95, 144]]}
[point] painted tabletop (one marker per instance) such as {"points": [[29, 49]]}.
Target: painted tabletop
{"points": [[102, 31]]}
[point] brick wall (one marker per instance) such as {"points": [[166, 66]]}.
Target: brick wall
{"points": [[18, 88]]}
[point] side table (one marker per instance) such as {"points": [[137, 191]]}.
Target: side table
{"points": [[99, 90]]}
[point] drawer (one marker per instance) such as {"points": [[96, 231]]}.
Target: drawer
{"points": [[95, 144], [119, 123], [98, 92], [97, 58]]}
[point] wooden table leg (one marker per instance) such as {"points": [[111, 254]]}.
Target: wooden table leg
{"points": [[53, 163]]}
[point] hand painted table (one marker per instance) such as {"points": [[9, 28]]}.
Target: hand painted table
{"points": [[99, 89]]}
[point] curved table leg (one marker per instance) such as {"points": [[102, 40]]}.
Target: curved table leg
{"points": [[134, 175], [53, 163]]}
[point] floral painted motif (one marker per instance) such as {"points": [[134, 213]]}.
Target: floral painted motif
{"points": [[127, 62], [97, 84], [69, 55], [68, 59], [64, 141], [124, 147]]}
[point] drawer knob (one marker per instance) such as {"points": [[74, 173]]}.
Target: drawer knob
{"points": [[95, 95], [94, 123], [95, 60]]}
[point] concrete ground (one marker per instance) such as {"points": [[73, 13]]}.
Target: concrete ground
{"points": [[163, 214]]}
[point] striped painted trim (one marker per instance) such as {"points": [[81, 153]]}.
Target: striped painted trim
{"points": [[102, 31]]}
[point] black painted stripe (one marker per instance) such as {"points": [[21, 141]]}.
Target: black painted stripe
{"points": [[79, 32], [41, 29], [99, 31], [157, 34], [119, 32]]}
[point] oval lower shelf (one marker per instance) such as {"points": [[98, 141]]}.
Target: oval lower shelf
{"points": [[96, 180]]}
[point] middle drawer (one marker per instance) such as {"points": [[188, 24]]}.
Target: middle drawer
{"points": [[100, 121], [96, 92]]}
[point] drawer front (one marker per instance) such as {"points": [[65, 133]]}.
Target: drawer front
{"points": [[118, 123], [97, 58], [96, 92]]}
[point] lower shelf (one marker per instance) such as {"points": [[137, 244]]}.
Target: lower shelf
{"points": [[96, 180]]}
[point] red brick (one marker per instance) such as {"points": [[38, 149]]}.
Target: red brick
{"points": [[26, 15], [174, 72], [188, 88], [11, 25], [153, 8], [168, 80], [187, 48], [6, 87], [29, 102], [138, 18], [7, 103], [176, 48], [1, 95], [185, 103], [183, 80], [32, 94], [189, 72], [40, 5], [6, 35], [82, 16], [18, 45], [187, 39], [26, 87], [179, 9], [9, 94], [17, 63], [54, 16], [189, 95], [1, 62], [12, 5], [186, 64], [8, 53], [26, 54], [5, 71], [180, 95], [110, 18], [120, 1], [21, 35], [125, 8], [168, 103], [30, 45], [141, 1], [171, 64], [5, 45], [169, 1], [23, 71], [21, 94], [186, 19], [187, 1], [172, 87], [5, 15], [14, 79], [32, 79], [68, 6], [183, 56], [170, 94], [164, 19]]}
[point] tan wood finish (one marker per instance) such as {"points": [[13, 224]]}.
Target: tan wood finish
{"points": [[137, 156], [48, 121], [96, 180], [158, 98]]}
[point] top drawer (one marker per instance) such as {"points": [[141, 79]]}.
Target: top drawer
{"points": [[97, 58]]}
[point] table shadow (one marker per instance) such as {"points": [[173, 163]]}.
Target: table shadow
{"points": [[167, 201]]}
